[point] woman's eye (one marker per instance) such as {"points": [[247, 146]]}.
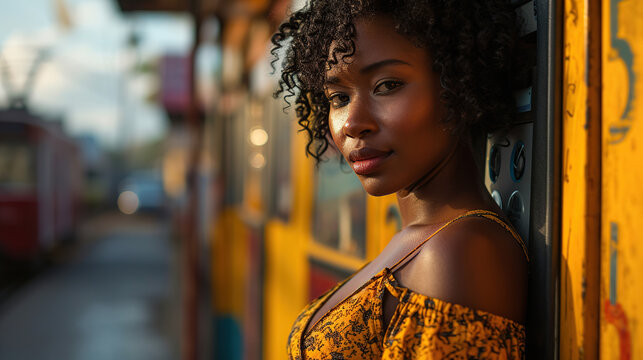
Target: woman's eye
{"points": [[387, 86], [338, 100]]}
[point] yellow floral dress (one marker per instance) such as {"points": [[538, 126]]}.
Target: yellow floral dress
{"points": [[422, 327]]}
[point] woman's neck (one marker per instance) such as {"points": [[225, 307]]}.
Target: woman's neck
{"points": [[452, 187]]}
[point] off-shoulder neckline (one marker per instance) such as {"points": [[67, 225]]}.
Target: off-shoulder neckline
{"points": [[388, 275], [404, 295]]}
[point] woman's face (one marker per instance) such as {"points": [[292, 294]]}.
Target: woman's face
{"points": [[385, 114]]}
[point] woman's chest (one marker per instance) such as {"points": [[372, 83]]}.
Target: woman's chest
{"points": [[340, 295], [353, 327], [395, 250]]}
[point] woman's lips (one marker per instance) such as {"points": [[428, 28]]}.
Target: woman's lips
{"points": [[366, 160]]}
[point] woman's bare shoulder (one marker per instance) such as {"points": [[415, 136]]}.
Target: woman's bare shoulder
{"points": [[474, 262]]}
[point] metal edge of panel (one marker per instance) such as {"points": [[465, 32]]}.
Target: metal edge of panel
{"points": [[542, 319]]}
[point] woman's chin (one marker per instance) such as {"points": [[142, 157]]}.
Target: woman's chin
{"points": [[376, 187]]}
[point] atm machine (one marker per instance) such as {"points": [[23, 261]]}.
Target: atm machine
{"points": [[521, 169]]}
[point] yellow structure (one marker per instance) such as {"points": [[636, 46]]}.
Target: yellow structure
{"points": [[286, 274], [580, 182], [621, 331], [601, 198]]}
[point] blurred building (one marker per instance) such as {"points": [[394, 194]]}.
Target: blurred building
{"points": [[205, 107]]}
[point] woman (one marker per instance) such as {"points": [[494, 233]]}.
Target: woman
{"points": [[398, 87]]}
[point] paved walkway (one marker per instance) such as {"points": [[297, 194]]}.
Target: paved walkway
{"points": [[114, 299]]}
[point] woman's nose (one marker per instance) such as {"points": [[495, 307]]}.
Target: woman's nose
{"points": [[359, 120]]}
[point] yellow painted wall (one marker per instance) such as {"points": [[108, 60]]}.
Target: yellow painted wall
{"points": [[580, 191], [286, 265], [229, 251], [285, 286], [621, 328]]}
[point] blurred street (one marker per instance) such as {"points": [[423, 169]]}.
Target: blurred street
{"points": [[113, 294]]}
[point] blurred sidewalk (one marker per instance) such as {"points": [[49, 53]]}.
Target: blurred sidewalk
{"points": [[115, 297]]}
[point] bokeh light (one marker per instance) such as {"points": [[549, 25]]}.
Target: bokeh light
{"points": [[257, 160], [128, 202], [258, 136]]}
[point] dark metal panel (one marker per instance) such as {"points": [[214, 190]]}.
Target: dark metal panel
{"points": [[542, 321]]}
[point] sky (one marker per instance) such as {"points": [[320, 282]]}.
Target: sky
{"points": [[86, 77]]}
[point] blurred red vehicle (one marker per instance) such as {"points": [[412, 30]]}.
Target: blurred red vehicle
{"points": [[40, 185]]}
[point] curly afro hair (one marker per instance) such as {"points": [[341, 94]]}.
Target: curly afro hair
{"points": [[471, 43]]}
